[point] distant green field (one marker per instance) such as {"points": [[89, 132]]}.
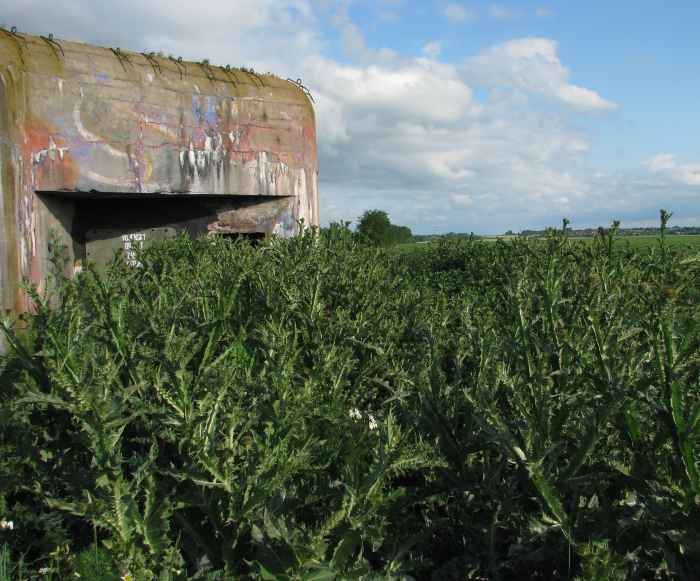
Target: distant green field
{"points": [[689, 242]]}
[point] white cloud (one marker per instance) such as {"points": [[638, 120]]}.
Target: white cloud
{"points": [[501, 12], [661, 162], [665, 164], [532, 65], [543, 13], [413, 139], [353, 39], [267, 32], [582, 98], [688, 174], [432, 49], [406, 94], [461, 200], [457, 13]]}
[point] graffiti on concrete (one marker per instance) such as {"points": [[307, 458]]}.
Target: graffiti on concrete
{"points": [[88, 133]]}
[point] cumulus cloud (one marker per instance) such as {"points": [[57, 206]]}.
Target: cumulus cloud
{"points": [[403, 94], [661, 162], [415, 137], [532, 65], [665, 165], [244, 32]]}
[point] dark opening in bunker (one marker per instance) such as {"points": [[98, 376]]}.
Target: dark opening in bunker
{"points": [[254, 238], [95, 225]]}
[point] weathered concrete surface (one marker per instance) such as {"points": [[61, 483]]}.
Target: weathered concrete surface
{"points": [[76, 118]]}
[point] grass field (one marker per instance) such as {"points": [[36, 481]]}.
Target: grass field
{"points": [[689, 243]]}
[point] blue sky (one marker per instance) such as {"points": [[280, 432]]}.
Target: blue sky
{"points": [[456, 115], [642, 55]]}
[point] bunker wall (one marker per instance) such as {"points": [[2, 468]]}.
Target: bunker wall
{"points": [[91, 135]]}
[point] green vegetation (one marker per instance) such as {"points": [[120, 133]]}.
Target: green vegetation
{"points": [[375, 227], [320, 408], [682, 242]]}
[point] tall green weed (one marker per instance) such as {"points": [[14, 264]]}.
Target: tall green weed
{"points": [[317, 408]]}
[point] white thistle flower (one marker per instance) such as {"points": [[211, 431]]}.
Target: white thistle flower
{"points": [[373, 425], [355, 414]]}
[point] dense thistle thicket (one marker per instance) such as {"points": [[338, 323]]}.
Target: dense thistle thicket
{"points": [[320, 409]]}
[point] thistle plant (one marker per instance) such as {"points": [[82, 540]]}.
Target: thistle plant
{"points": [[318, 408]]}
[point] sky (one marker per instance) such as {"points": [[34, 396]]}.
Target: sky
{"points": [[455, 116]]}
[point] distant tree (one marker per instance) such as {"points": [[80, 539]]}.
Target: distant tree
{"points": [[400, 234], [375, 226]]}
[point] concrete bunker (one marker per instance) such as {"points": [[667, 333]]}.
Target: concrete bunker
{"points": [[93, 226], [108, 149]]}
